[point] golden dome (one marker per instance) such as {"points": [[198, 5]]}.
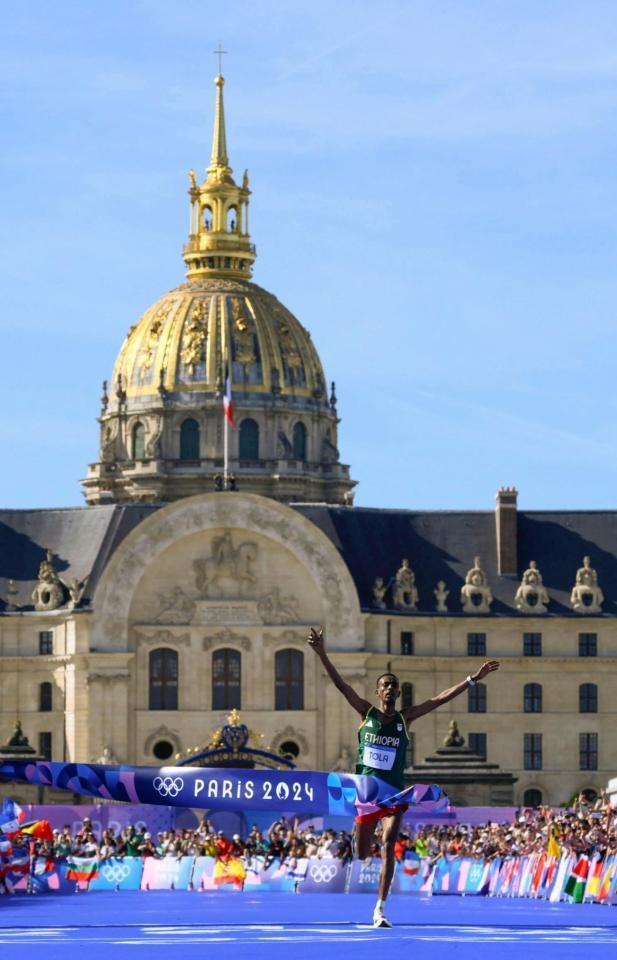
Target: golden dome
{"points": [[161, 425], [180, 346]]}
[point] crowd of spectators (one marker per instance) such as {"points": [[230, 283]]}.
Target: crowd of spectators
{"points": [[585, 827]]}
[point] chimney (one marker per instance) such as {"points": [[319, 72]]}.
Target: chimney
{"points": [[506, 529]]}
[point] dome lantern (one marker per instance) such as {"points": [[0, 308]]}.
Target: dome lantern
{"points": [[219, 244]]}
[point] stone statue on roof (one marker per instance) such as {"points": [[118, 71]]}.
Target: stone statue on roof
{"points": [[404, 591], [49, 591], [586, 596], [476, 596], [531, 596]]}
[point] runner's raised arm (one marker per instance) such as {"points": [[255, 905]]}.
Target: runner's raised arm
{"points": [[412, 713], [315, 640]]}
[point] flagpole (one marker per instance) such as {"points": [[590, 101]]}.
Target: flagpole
{"points": [[225, 449]]}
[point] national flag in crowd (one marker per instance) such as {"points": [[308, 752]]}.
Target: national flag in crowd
{"points": [[11, 817], [82, 868], [553, 849], [38, 829], [607, 878], [229, 870], [228, 406], [595, 876], [576, 882]]}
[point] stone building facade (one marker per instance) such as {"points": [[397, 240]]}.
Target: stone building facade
{"points": [[130, 627]]}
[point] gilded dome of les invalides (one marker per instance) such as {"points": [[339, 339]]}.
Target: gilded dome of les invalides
{"points": [[162, 427]]}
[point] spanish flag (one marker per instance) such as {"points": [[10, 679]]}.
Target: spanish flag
{"points": [[229, 870]]}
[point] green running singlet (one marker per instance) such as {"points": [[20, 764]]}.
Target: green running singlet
{"points": [[382, 746]]}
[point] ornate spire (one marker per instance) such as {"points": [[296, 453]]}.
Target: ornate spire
{"points": [[219, 243], [219, 161]]}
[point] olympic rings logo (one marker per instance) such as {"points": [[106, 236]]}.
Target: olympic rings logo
{"points": [[168, 786], [322, 872], [115, 872]]}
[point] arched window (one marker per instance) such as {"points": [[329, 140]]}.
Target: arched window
{"points": [[532, 797], [226, 665], [532, 698], [139, 441], [189, 440], [45, 697], [232, 219], [249, 440], [588, 698], [289, 680], [207, 219], [163, 679], [299, 441], [406, 696], [476, 698]]}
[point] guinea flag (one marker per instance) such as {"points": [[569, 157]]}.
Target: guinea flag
{"points": [[82, 868], [575, 884], [228, 406]]}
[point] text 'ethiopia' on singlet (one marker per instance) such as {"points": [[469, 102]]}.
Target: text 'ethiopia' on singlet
{"points": [[382, 746]]}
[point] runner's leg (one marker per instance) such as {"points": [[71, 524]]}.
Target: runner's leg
{"points": [[390, 830], [363, 836]]}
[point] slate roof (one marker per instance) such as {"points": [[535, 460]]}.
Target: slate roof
{"points": [[81, 538], [440, 545]]}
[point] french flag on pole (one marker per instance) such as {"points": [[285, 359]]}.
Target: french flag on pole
{"points": [[228, 406]]}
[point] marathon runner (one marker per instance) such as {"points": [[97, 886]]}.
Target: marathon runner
{"points": [[382, 744]]}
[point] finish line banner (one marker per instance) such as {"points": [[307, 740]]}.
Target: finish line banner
{"points": [[342, 794]]}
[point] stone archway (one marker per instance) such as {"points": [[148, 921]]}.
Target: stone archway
{"points": [[234, 512]]}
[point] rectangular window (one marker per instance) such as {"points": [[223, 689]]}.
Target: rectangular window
{"points": [[588, 751], [406, 643], [476, 699], [588, 644], [46, 642], [532, 644], [532, 746], [476, 644], [477, 743], [45, 744]]}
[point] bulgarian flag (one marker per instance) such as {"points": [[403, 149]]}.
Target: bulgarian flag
{"points": [[228, 406], [576, 882], [82, 868]]}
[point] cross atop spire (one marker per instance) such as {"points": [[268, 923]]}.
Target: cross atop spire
{"points": [[219, 53]]}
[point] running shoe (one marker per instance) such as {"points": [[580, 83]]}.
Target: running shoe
{"points": [[380, 919]]}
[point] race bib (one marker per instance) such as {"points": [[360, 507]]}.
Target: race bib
{"points": [[380, 758]]}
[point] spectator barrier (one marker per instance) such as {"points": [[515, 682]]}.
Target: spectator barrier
{"points": [[573, 877]]}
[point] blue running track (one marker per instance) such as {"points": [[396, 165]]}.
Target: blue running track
{"points": [[176, 924]]}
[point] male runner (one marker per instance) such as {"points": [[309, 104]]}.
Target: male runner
{"points": [[382, 745]]}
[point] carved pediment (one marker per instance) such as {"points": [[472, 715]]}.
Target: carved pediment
{"points": [[224, 638], [163, 638]]}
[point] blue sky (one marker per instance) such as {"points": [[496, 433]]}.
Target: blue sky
{"points": [[434, 196]]}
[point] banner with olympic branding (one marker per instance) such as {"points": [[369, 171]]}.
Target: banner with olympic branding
{"points": [[118, 873], [324, 876], [234, 789]]}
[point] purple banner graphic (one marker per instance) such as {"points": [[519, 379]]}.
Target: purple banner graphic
{"points": [[226, 789]]}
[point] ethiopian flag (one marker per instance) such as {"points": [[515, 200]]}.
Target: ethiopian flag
{"points": [[576, 882], [82, 868]]}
